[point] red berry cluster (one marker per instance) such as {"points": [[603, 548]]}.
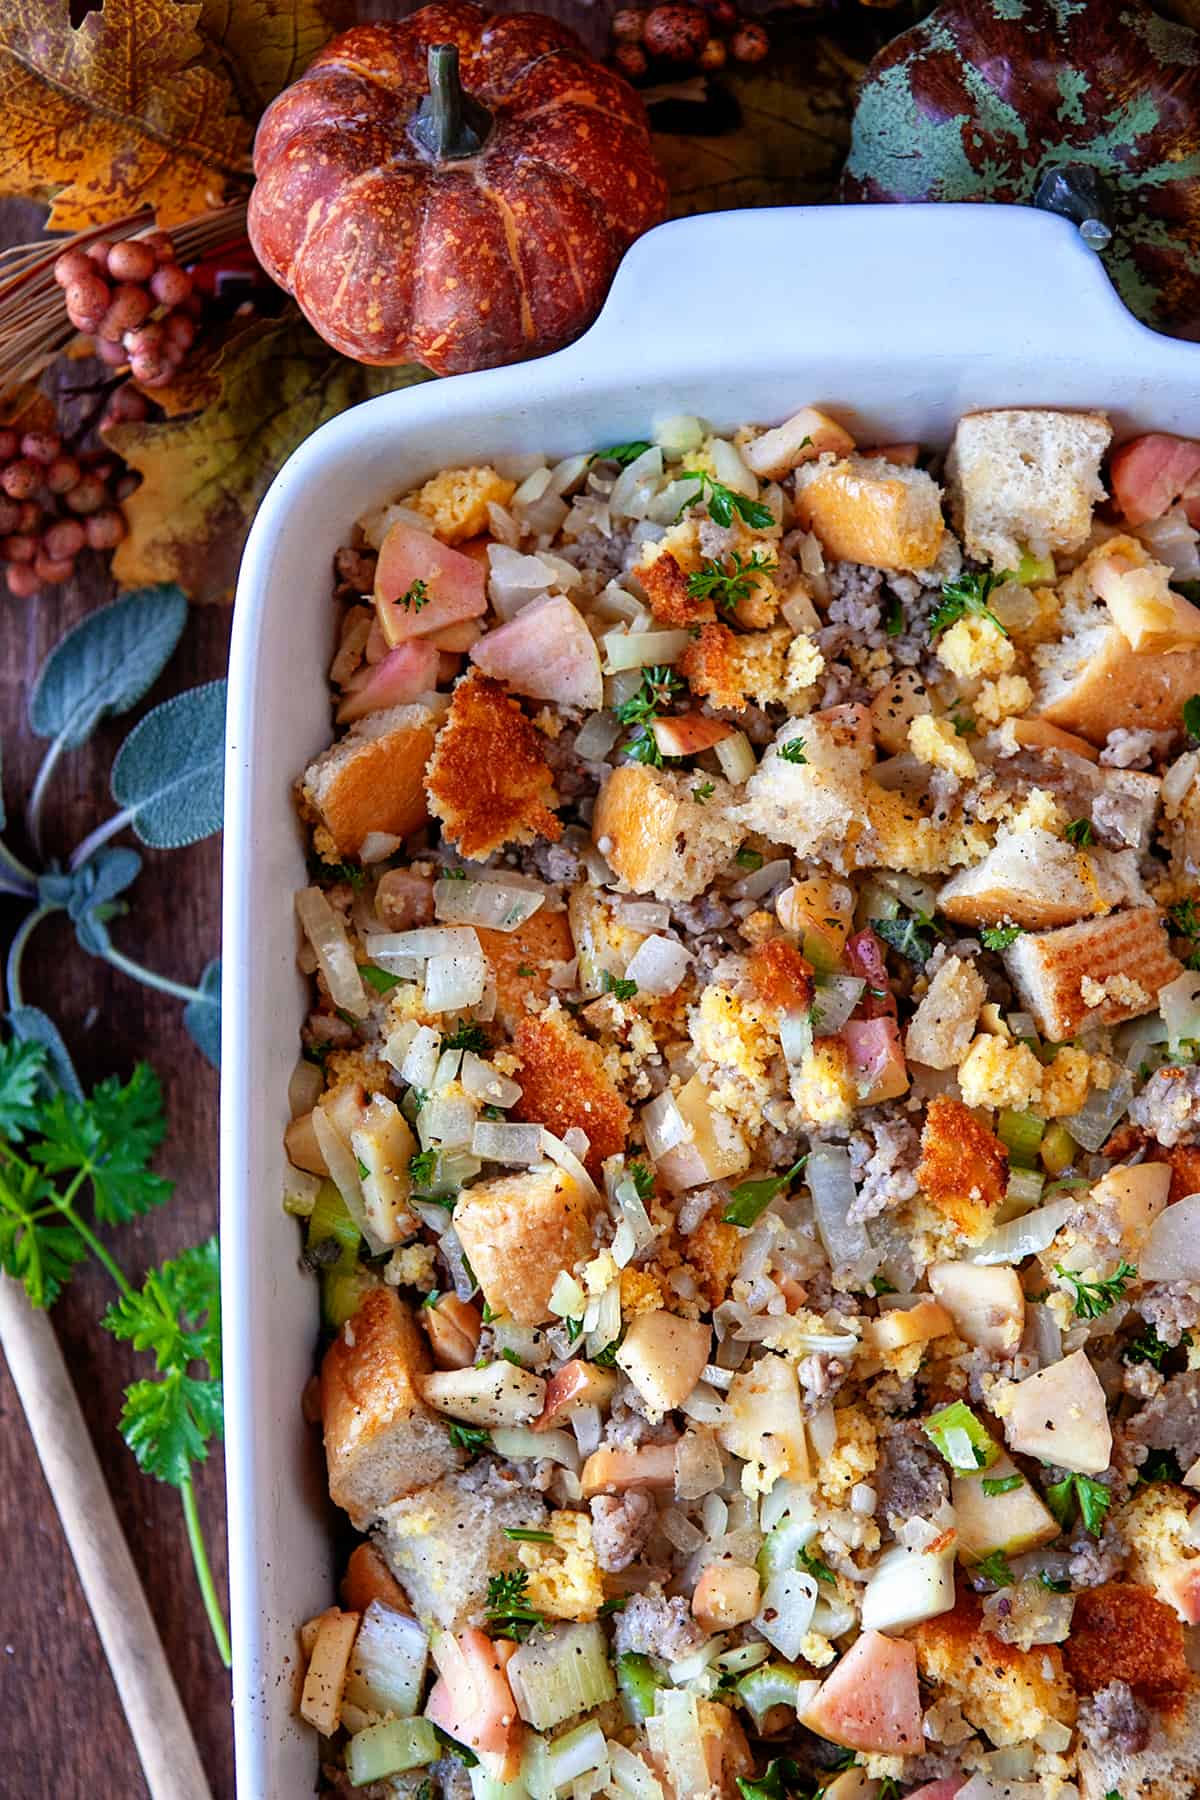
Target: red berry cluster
{"points": [[683, 35], [53, 504], [135, 300]]}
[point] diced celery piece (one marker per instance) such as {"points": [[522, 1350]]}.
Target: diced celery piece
{"points": [[1058, 1149], [817, 949], [775, 1684], [783, 1543], [560, 1673], [486, 1786], [1024, 1191], [958, 1435], [330, 1218], [387, 1664], [342, 1291], [1021, 1134], [390, 1749], [1033, 568], [639, 1681]]}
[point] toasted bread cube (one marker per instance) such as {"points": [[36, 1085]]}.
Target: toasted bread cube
{"points": [[1025, 479], [381, 1440], [817, 807], [1009, 1693], [808, 434], [1095, 973], [1122, 1632], [488, 780], [663, 1355], [372, 780], [522, 962], [444, 1542], [659, 840], [1166, 1767], [941, 1029], [565, 1084], [963, 1169], [519, 1231], [1039, 734], [868, 510], [1035, 879]]}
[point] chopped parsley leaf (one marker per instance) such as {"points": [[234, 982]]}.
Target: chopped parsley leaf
{"points": [[1055, 1583], [724, 501], [812, 1565], [704, 792], [911, 936], [509, 1613], [750, 1199], [642, 1179], [749, 859], [472, 1438], [1191, 717], [617, 985], [422, 1167], [793, 751], [1080, 833], [881, 1285], [964, 725], [1092, 1498], [999, 937], [624, 454], [520, 1535], [729, 584], [574, 1328], [1000, 1484], [968, 595], [417, 596], [467, 1036], [780, 1780], [994, 1568], [1094, 1298], [1148, 1347], [1161, 1465], [379, 979], [607, 1358], [893, 616]]}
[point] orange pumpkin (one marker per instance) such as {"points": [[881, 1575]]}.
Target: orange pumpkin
{"points": [[414, 222]]}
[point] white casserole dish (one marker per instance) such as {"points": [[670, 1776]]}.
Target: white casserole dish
{"points": [[897, 318]]}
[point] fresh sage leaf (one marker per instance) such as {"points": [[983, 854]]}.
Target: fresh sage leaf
{"points": [[202, 1016], [87, 894], [168, 775], [33, 1026], [106, 663]]}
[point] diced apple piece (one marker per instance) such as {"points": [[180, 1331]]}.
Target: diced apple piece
{"points": [[663, 1355], [903, 699], [473, 1702], [1039, 734], [802, 438], [407, 671], [1060, 1414], [1148, 613], [321, 1698], [1180, 1587], [454, 585], [576, 1384], [456, 639], [902, 1325], [688, 734], [877, 1059], [715, 1150], [500, 1393], [452, 1327], [1139, 1195], [383, 1142], [908, 1585], [987, 1304], [1151, 472], [611, 1471], [726, 1594], [821, 909], [903, 455], [871, 1701], [764, 1423], [1013, 1522], [547, 652]]}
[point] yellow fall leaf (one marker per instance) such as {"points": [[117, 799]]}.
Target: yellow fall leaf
{"points": [[203, 475], [263, 45], [115, 115]]}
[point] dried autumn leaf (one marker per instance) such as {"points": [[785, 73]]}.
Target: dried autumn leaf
{"points": [[204, 475], [263, 45], [27, 406], [792, 140], [115, 115]]}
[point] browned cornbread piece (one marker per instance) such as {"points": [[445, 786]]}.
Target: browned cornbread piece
{"points": [[519, 1232], [488, 779], [1122, 1632], [963, 1170], [1095, 973], [564, 1083], [522, 962], [1005, 1691], [381, 1440]]}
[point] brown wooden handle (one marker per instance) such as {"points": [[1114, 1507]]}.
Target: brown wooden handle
{"points": [[157, 1721]]}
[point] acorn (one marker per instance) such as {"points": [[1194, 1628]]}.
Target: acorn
{"points": [[713, 55], [628, 25], [676, 33], [749, 44], [629, 60]]}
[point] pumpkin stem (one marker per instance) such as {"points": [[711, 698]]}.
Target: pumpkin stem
{"points": [[449, 124]]}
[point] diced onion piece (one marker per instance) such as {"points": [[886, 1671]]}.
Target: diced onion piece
{"points": [[561, 1153], [1171, 540], [1179, 777], [836, 998], [399, 1042], [533, 487], [681, 433], [426, 941], [796, 1035], [485, 1081], [785, 1617], [453, 983], [300, 1190], [1026, 1236], [596, 736], [636, 482], [331, 947], [567, 1299], [569, 473], [305, 1087], [406, 968], [447, 1069], [676, 1741], [631, 1777], [699, 1466], [520, 1145], [558, 1674], [586, 1423], [705, 1405], [1171, 1248], [799, 611], [421, 1058], [731, 471], [577, 1141], [645, 915], [518, 1442], [918, 896], [736, 757], [342, 1164], [642, 650], [607, 1328], [496, 905], [831, 1184], [1096, 1119], [822, 1431], [449, 1123], [387, 1664], [1179, 1004], [663, 1125], [658, 965], [762, 880]]}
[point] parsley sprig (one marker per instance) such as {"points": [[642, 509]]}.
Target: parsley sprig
{"points": [[995, 1568], [724, 502], [1079, 832], [911, 937], [655, 691], [617, 985], [999, 937], [624, 454], [729, 582], [467, 1036], [780, 1780], [1094, 1298], [968, 595], [1091, 1496], [416, 596], [1148, 1347], [509, 1613], [793, 751], [750, 1199], [1185, 920], [71, 1163]]}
